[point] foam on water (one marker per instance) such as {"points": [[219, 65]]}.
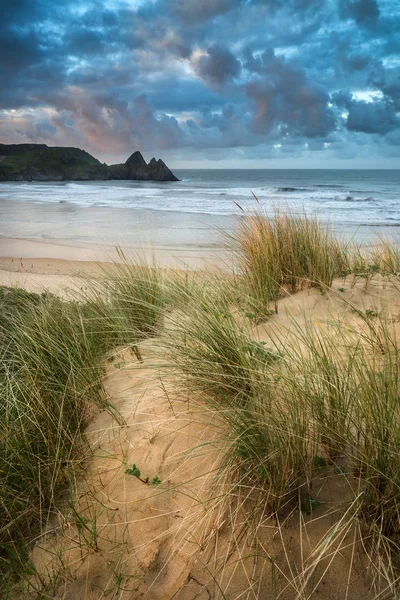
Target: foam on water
{"points": [[356, 198]]}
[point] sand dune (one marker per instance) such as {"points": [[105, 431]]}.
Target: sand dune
{"points": [[181, 539], [194, 536]]}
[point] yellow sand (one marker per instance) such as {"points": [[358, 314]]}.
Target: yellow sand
{"points": [[188, 539]]}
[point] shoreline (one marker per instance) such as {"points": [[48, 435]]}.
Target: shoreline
{"points": [[186, 218]]}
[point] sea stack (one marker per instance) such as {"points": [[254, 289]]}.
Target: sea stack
{"points": [[134, 163], [156, 170]]}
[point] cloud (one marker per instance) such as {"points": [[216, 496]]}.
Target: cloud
{"points": [[365, 12], [388, 82], [195, 11], [286, 101], [343, 99], [218, 65], [191, 77], [377, 117]]}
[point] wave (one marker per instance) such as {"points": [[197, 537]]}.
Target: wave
{"points": [[291, 189], [329, 185], [350, 198]]}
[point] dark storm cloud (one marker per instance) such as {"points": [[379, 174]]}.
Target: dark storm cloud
{"points": [[194, 11], [202, 74], [378, 116], [286, 100], [388, 82], [218, 65], [365, 12], [372, 117]]}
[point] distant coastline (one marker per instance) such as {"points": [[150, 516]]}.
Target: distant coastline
{"points": [[39, 162]]}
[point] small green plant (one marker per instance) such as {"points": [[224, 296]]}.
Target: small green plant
{"points": [[257, 316], [133, 470], [357, 311], [340, 471], [136, 472], [261, 352], [365, 315]]}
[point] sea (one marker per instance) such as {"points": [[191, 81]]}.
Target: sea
{"points": [[194, 211]]}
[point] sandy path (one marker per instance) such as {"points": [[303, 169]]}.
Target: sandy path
{"points": [[180, 540], [150, 534]]}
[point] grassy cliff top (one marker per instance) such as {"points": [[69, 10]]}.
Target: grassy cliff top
{"points": [[50, 158], [62, 162]]}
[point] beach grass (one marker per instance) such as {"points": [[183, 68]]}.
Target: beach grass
{"points": [[52, 355], [283, 253], [50, 378], [324, 396], [327, 400], [127, 301], [136, 293], [327, 396], [213, 351]]}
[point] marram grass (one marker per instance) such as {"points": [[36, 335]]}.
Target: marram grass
{"points": [[50, 377], [326, 399], [51, 365], [291, 406], [282, 254]]}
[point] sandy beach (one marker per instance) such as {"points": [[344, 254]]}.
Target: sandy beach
{"points": [[49, 232], [36, 265], [166, 536], [202, 529]]}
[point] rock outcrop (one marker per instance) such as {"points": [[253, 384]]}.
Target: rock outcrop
{"points": [[38, 162], [156, 170], [136, 168], [134, 163]]}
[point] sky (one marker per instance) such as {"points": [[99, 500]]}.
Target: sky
{"points": [[206, 83]]}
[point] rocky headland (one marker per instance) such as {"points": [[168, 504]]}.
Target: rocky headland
{"points": [[39, 162]]}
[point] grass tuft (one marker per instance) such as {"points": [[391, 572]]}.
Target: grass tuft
{"points": [[284, 253]]}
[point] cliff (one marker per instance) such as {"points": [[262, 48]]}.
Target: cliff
{"points": [[38, 162]]}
